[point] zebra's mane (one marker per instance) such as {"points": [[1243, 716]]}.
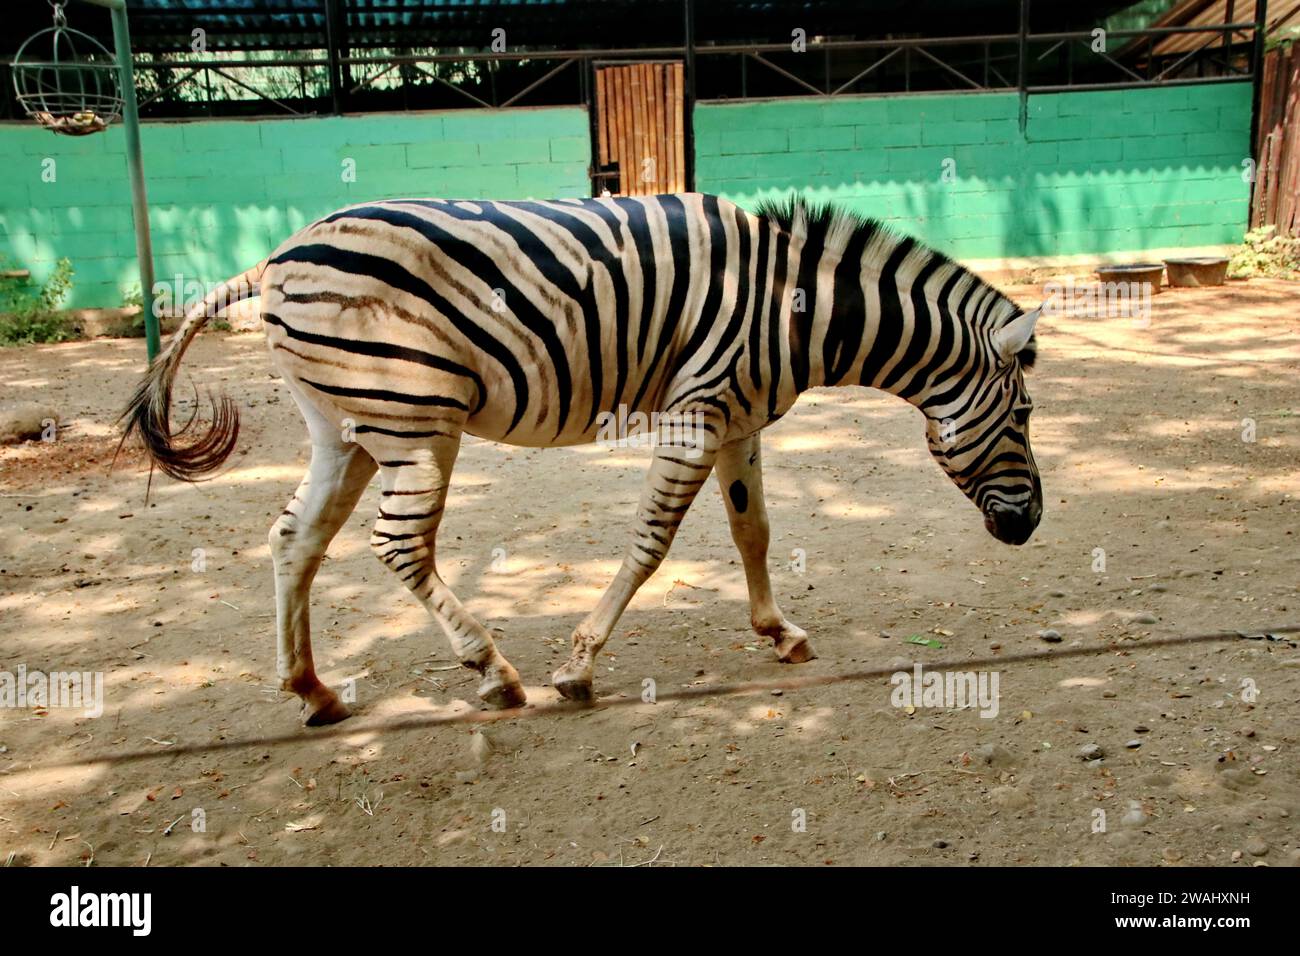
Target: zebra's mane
{"points": [[834, 227]]}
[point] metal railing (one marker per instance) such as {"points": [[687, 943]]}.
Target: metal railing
{"points": [[335, 81]]}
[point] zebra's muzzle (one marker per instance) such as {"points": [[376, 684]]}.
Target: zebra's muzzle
{"points": [[1010, 524]]}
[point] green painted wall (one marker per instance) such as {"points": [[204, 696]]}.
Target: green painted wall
{"points": [[223, 194], [1103, 171]]}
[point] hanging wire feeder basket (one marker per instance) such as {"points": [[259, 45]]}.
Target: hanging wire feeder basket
{"points": [[67, 80]]}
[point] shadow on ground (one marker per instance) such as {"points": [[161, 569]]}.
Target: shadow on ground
{"points": [[1139, 434]]}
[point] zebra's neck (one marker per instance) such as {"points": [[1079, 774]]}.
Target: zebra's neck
{"points": [[883, 311]]}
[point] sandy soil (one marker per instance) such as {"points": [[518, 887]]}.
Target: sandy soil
{"points": [[1139, 436]]}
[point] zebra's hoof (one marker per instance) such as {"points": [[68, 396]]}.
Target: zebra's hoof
{"points": [[573, 684], [793, 647], [502, 695], [322, 707], [577, 690]]}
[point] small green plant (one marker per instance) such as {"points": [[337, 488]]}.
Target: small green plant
{"points": [[1265, 254], [135, 299], [1282, 38], [27, 317]]}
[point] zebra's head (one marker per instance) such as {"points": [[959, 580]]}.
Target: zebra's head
{"points": [[978, 430]]}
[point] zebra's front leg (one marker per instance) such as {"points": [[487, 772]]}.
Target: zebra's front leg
{"points": [[414, 494], [671, 485], [740, 475]]}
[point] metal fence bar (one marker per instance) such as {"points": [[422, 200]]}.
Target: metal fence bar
{"points": [[955, 72], [867, 72], [1257, 70], [333, 26], [787, 74], [1022, 53], [1020, 45], [466, 93], [170, 86], [1137, 76], [688, 94], [255, 91], [538, 82], [725, 49]]}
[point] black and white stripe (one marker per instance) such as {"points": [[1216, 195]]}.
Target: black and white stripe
{"points": [[410, 322]]}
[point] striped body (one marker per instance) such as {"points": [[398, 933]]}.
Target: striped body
{"points": [[401, 325], [539, 316]]}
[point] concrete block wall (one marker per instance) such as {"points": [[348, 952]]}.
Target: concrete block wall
{"points": [[223, 194], [1095, 172]]}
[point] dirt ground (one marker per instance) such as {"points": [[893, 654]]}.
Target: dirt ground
{"points": [[1139, 435]]}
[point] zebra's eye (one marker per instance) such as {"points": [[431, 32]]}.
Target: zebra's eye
{"points": [[1021, 414]]}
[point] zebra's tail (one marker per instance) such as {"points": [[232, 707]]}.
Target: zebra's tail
{"points": [[148, 414]]}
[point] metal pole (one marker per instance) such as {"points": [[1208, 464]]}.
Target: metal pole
{"points": [[135, 170], [593, 121], [688, 107], [1257, 81], [1022, 59], [332, 45]]}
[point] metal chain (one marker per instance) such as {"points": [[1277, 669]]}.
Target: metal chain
{"points": [[60, 19]]}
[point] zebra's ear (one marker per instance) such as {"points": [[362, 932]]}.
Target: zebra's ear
{"points": [[1015, 335]]}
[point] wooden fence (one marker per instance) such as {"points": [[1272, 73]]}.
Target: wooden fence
{"points": [[1277, 177]]}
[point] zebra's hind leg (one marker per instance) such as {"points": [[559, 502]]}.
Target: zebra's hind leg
{"points": [[740, 475], [671, 485], [414, 494], [299, 538]]}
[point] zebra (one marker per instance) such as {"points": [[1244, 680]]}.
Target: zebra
{"points": [[398, 326]]}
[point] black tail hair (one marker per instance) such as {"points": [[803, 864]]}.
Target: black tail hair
{"points": [[148, 413]]}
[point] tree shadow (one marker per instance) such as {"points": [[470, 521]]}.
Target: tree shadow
{"points": [[1139, 436]]}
